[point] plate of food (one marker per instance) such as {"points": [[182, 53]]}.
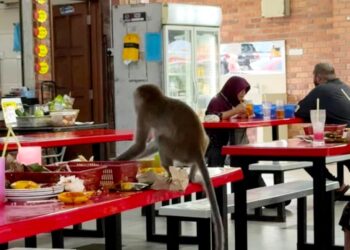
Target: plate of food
{"points": [[328, 138], [30, 188]]}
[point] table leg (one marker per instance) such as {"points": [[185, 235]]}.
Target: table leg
{"points": [[30, 241], [241, 238], [4, 246], [302, 223], [275, 135], [340, 172], [322, 225], [57, 239], [113, 235]]}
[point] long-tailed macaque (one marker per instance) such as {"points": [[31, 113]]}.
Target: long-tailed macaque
{"points": [[179, 136]]}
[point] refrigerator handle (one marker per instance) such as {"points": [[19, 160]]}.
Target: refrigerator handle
{"points": [[195, 89]]}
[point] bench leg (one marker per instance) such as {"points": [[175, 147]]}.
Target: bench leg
{"points": [[278, 177], [204, 234], [173, 233], [30, 242]]}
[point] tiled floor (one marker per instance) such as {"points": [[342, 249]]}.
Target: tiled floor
{"points": [[261, 235]]}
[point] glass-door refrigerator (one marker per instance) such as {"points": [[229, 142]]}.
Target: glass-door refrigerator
{"points": [[191, 64]]}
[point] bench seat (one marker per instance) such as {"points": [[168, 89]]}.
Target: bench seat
{"points": [[256, 197]]}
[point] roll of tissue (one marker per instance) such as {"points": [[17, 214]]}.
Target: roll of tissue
{"points": [[211, 118]]}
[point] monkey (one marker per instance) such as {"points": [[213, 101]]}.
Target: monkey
{"points": [[178, 135]]}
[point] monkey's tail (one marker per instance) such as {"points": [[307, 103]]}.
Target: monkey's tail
{"points": [[209, 190]]}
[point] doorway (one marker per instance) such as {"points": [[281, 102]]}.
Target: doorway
{"points": [[77, 60]]}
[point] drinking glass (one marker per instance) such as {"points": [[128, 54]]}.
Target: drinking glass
{"points": [[249, 108], [279, 109], [267, 110], [318, 120]]}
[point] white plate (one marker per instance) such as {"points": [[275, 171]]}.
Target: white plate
{"points": [[30, 198], [35, 192]]}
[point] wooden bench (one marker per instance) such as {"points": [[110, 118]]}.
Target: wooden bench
{"points": [[200, 211], [277, 168]]}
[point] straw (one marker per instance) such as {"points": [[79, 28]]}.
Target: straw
{"points": [[346, 95], [318, 109]]}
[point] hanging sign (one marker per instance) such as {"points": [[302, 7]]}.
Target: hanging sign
{"points": [[41, 50], [40, 16], [42, 68], [134, 17], [66, 10], [41, 1], [40, 32]]}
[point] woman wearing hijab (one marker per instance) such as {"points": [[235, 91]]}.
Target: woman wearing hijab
{"points": [[229, 102]]}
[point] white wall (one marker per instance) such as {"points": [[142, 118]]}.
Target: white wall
{"points": [[10, 61]]}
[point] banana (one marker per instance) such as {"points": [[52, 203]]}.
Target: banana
{"points": [[24, 185]]}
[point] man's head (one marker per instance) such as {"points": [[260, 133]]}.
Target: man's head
{"points": [[323, 72]]}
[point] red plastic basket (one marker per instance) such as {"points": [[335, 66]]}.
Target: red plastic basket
{"points": [[334, 128], [90, 174], [115, 171]]}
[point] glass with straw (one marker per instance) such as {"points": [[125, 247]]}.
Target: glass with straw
{"points": [[318, 120]]}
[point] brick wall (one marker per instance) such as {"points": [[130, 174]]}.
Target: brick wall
{"points": [[319, 27]]}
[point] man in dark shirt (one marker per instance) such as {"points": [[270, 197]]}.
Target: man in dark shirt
{"points": [[330, 91]]}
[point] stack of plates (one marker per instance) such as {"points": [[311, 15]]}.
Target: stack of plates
{"points": [[33, 194]]}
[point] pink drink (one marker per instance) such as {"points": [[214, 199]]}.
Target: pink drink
{"points": [[319, 136]]}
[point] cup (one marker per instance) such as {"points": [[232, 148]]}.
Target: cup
{"points": [[279, 109], [2, 180], [273, 111], [267, 110], [29, 155], [318, 120], [289, 110], [249, 108], [258, 111]]}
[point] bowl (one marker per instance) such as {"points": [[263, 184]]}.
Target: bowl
{"points": [[337, 129], [64, 118]]}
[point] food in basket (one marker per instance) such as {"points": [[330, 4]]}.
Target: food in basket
{"points": [[336, 129], [132, 186], [74, 197], [64, 117], [72, 183], [23, 184], [91, 175]]}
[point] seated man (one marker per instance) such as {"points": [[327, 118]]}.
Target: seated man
{"points": [[329, 89]]}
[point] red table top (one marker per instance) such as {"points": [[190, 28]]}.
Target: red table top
{"points": [[18, 221], [289, 148], [251, 123], [58, 139]]}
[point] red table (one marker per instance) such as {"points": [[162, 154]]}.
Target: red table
{"points": [[69, 138], [297, 150], [252, 123], [23, 221], [58, 139]]}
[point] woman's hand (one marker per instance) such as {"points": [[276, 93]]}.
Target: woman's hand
{"points": [[240, 109]]}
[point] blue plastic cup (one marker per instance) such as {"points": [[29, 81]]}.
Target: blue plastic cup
{"points": [[258, 111], [273, 111], [289, 110]]}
